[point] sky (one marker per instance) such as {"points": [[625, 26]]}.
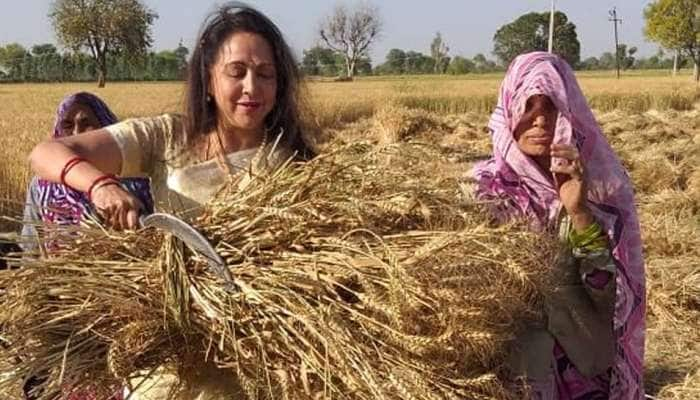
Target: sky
{"points": [[467, 26]]}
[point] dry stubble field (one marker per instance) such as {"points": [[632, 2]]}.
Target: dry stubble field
{"points": [[652, 121]]}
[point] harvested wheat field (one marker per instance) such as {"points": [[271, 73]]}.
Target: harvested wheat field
{"points": [[364, 274]]}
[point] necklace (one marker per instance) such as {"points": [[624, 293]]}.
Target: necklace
{"points": [[222, 162]]}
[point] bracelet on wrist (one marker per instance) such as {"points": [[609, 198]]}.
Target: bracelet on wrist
{"points": [[67, 167], [107, 179], [591, 238]]}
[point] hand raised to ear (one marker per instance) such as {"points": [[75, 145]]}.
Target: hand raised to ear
{"points": [[570, 180]]}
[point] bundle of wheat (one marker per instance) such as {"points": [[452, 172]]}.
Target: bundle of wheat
{"points": [[394, 123], [670, 224], [359, 275]]}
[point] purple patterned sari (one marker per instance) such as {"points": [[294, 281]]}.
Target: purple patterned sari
{"points": [[58, 204]]}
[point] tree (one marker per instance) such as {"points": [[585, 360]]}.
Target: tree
{"points": [[164, 65], [410, 62], [40, 50], [675, 24], [482, 64], [363, 66], [438, 51], [530, 32], [320, 60], [460, 65], [351, 32], [181, 53], [46, 63], [626, 56], [418, 63], [104, 27], [12, 60], [590, 63], [395, 62], [607, 60], [309, 63]]}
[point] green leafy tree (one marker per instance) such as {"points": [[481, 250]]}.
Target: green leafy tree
{"points": [[29, 68], [626, 56], [482, 64], [395, 61], [590, 64], [46, 63], [418, 63], [320, 60], [607, 60], [165, 65], [364, 66], [12, 60], [44, 49], [409, 62], [460, 65], [659, 60], [84, 66], [104, 27], [530, 32], [675, 24], [479, 59], [311, 60]]}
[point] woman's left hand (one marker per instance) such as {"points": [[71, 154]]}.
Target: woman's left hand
{"points": [[570, 179]]}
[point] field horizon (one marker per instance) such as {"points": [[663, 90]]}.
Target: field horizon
{"points": [[652, 121]]}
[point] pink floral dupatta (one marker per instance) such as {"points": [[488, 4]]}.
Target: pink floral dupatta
{"points": [[517, 187]]}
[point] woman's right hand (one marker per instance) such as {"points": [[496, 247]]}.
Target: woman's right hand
{"points": [[118, 208]]}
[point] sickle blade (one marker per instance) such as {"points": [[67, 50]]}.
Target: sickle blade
{"points": [[190, 236]]}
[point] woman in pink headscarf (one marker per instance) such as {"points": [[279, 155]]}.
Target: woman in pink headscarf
{"points": [[552, 166]]}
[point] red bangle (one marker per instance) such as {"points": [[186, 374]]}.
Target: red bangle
{"points": [[69, 165], [106, 177]]}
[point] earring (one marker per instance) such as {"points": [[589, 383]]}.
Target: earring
{"points": [[208, 98]]}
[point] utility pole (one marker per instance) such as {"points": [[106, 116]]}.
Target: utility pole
{"points": [[613, 18], [551, 28]]}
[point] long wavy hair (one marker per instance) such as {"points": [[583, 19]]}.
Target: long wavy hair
{"points": [[201, 114]]}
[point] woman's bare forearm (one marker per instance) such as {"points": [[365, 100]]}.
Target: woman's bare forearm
{"points": [[101, 153]]}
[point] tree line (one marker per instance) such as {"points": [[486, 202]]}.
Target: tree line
{"points": [[116, 45], [44, 63], [628, 60], [321, 61], [347, 35]]}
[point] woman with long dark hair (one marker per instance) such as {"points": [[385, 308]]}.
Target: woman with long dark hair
{"points": [[242, 100], [241, 115]]}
